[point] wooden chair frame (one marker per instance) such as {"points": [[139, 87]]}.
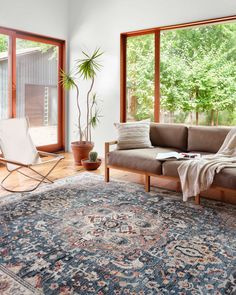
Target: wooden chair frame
{"points": [[43, 178]]}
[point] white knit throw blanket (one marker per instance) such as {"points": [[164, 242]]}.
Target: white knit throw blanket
{"points": [[197, 175]]}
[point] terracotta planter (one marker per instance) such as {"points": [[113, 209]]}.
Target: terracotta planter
{"points": [[81, 150], [91, 165]]}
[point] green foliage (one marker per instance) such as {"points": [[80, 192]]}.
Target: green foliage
{"points": [[21, 44], [94, 112], [93, 156], [3, 43], [67, 80], [207, 64], [88, 66], [95, 118], [140, 73], [198, 68]]}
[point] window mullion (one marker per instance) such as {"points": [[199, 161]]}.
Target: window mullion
{"points": [[157, 77], [12, 76]]}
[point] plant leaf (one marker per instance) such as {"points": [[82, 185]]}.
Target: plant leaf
{"points": [[88, 66], [67, 80]]}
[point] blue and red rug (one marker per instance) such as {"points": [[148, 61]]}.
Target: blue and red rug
{"points": [[83, 236]]}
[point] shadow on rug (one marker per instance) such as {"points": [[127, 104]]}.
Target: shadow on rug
{"points": [[83, 236]]}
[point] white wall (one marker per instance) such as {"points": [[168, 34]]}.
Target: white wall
{"points": [[96, 23], [45, 17]]}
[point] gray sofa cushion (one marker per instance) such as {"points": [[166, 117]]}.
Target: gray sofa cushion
{"points": [[226, 178], [206, 139], [169, 168], [169, 135], [140, 159]]}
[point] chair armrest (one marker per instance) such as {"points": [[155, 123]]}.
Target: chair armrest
{"points": [[7, 161], [56, 157], [50, 155]]}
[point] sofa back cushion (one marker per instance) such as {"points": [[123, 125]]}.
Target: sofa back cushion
{"points": [[169, 135], [206, 139]]}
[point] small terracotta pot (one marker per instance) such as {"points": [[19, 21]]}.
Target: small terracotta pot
{"points": [[81, 150], [91, 165]]}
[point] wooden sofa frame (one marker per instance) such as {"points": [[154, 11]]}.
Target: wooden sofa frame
{"points": [[146, 174]]}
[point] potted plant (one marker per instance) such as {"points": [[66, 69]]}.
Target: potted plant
{"points": [[85, 68], [92, 163]]}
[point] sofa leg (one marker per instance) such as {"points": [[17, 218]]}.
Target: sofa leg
{"points": [[107, 174], [197, 199], [147, 183]]}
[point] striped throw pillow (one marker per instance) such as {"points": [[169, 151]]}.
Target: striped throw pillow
{"points": [[134, 135]]}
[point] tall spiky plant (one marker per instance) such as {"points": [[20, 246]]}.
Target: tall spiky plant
{"points": [[85, 68]]}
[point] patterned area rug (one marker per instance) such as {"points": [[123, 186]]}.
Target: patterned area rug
{"points": [[83, 236]]}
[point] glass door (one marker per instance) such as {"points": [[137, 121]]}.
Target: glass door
{"points": [[30, 86], [5, 105], [37, 72]]}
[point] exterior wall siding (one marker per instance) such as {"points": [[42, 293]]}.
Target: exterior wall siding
{"points": [[36, 68]]}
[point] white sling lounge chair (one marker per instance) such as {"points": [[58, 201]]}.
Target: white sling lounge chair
{"points": [[19, 152]]}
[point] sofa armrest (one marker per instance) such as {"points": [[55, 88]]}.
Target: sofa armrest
{"points": [[111, 142], [107, 150], [107, 147]]}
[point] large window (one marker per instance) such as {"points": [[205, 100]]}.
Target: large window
{"points": [[190, 70], [29, 85]]}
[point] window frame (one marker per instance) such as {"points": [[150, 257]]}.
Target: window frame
{"points": [[157, 32], [14, 34]]}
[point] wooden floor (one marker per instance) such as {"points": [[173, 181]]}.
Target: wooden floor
{"points": [[67, 168]]}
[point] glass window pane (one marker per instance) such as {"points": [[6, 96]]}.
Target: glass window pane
{"points": [[140, 77], [37, 89], [198, 81], [4, 98]]}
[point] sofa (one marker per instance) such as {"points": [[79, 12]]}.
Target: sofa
{"points": [[167, 138]]}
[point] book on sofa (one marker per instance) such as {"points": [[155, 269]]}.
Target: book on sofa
{"points": [[177, 156]]}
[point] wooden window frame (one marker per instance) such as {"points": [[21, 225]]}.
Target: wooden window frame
{"points": [[17, 34], [157, 32]]}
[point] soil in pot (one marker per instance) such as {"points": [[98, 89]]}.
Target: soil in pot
{"points": [[91, 165], [81, 150]]}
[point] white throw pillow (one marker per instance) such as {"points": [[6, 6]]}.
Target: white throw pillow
{"points": [[133, 135]]}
